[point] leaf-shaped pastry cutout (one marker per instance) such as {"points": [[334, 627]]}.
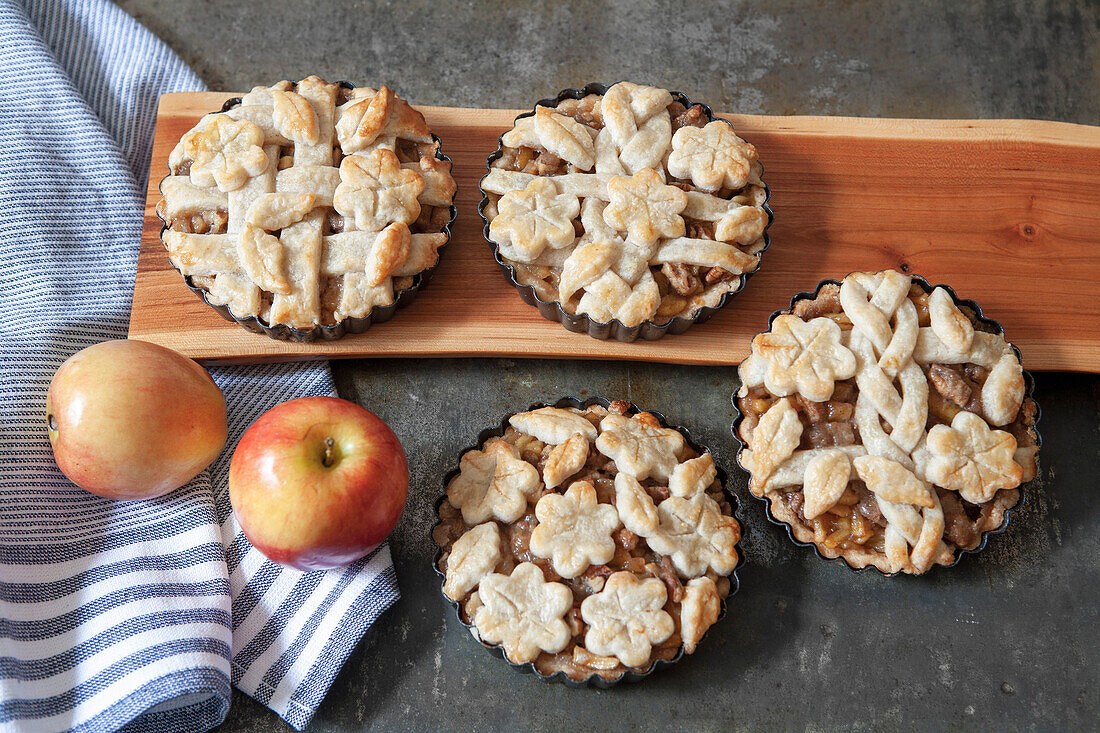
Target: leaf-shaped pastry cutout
{"points": [[263, 259], [375, 190], [373, 114], [566, 138], [698, 611], [806, 357], [391, 248], [774, 439], [642, 303], [696, 535], [293, 116], [1003, 391], [534, 218], [472, 557], [825, 480], [693, 476], [589, 261], [223, 152], [950, 325], [891, 481], [741, 225], [565, 460], [635, 505], [274, 211], [494, 482], [638, 448], [553, 425]]}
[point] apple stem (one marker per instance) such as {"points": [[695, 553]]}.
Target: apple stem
{"points": [[328, 457]]}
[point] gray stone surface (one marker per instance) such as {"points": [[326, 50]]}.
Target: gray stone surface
{"points": [[1006, 640]]}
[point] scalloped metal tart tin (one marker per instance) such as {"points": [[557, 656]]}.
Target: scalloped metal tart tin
{"points": [[377, 314], [581, 323], [595, 680], [1029, 382]]}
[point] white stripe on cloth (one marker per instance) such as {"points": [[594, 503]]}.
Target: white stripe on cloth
{"points": [[116, 613]]}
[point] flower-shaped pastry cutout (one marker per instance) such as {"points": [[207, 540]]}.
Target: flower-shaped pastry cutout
{"points": [[574, 530], [375, 190], [640, 446], [893, 482], [565, 460], [523, 613], [223, 152], [712, 157], [531, 219], [693, 477], [635, 506], [494, 482], [293, 116], [553, 425], [774, 439], [698, 611], [696, 535], [472, 557], [626, 619], [645, 207], [806, 357], [972, 459], [824, 482]]}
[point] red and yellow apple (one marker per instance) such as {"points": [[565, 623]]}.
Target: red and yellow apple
{"points": [[133, 420], [318, 482]]}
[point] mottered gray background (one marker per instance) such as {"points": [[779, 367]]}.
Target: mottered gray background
{"points": [[1006, 640]]}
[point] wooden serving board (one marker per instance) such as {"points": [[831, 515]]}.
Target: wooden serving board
{"points": [[1005, 211]]}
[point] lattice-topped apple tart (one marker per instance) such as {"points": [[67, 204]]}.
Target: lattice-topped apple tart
{"points": [[625, 211], [588, 541], [886, 422], [307, 210]]}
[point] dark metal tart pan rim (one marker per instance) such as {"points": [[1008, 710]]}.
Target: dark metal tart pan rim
{"points": [[581, 323], [1029, 381], [320, 332], [595, 680]]}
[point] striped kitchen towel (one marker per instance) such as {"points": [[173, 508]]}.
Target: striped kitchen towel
{"points": [[116, 613]]}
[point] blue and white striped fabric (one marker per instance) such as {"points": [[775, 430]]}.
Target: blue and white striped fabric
{"points": [[115, 613]]}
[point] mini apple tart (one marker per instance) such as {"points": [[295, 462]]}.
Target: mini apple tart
{"points": [[588, 542], [308, 210], [886, 422], [625, 211]]}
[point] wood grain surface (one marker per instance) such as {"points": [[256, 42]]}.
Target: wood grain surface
{"points": [[1005, 211]]}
